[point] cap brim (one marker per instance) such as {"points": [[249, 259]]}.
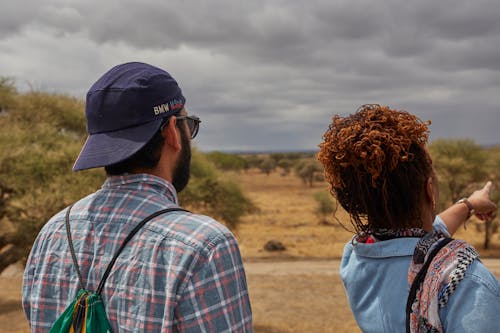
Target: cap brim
{"points": [[112, 147]]}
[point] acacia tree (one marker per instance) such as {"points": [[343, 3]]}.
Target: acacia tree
{"points": [[325, 205], [309, 170], [267, 165], [493, 169], [458, 163], [285, 164], [462, 165]]}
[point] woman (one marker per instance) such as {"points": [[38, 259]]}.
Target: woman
{"points": [[380, 171]]}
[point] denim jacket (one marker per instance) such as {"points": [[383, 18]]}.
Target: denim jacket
{"points": [[375, 278]]}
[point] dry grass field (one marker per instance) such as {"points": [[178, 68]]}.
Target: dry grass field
{"points": [[299, 290], [287, 214]]}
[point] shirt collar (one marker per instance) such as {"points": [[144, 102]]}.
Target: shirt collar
{"points": [[142, 182], [390, 248]]}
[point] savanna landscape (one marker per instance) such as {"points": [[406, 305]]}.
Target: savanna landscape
{"points": [[277, 204], [297, 289]]}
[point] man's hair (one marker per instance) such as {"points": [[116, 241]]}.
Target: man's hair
{"points": [[146, 157], [377, 166]]}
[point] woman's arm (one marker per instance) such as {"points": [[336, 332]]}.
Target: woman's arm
{"points": [[480, 204]]}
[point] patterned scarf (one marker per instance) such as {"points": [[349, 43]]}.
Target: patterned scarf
{"points": [[447, 270]]}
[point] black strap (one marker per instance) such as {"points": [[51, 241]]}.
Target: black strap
{"points": [[420, 278], [117, 253], [72, 249]]}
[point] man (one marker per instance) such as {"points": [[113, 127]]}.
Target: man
{"points": [[181, 272]]}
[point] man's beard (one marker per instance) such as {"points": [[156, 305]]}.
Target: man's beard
{"points": [[182, 168]]}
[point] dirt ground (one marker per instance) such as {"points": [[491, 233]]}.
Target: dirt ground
{"points": [[289, 296], [305, 296], [295, 290]]}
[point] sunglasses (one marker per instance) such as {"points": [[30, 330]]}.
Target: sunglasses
{"points": [[193, 123]]}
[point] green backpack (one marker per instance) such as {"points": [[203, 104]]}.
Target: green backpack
{"points": [[86, 314]]}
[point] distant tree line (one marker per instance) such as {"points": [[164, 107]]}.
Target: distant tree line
{"points": [[461, 164], [304, 165]]}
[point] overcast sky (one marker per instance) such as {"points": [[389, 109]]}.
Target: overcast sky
{"points": [[268, 75]]}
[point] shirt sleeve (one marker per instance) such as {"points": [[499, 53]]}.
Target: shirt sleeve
{"points": [[28, 278], [215, 296], [475, 305], [26, 289], [439, 225]]}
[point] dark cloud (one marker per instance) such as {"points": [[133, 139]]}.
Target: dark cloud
{"points": [[15, 15], [269, 75]]}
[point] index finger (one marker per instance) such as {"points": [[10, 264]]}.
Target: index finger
{"points": [[487, 187]]}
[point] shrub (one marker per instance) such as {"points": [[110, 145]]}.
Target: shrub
{"points": [[267, 165], [325, 205], [309, 170], [220, 198], [286, 165], [41, 135], [224, 161]]}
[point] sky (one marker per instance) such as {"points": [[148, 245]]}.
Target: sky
{"points": [[269, 75]]}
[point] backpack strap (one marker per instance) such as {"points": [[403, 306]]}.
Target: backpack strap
{"points": [[72, 248], [117, 253], [420, 278]]}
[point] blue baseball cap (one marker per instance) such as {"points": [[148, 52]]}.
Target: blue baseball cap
{"points": [[124, 109]]}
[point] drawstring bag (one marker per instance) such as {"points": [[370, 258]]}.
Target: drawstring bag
{"points": [[86, 314]]}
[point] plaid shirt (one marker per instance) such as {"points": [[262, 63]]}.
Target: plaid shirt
{"points": [[181, 272]]}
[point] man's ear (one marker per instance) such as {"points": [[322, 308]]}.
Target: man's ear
{"points": [[170, 134]]}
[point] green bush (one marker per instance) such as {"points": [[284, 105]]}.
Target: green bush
{"points": [[224, 161], [309, 170], [286, 165], [325, 204], [267, 165], [8, 94], [41, 135], [219, 197], [252, 161]]}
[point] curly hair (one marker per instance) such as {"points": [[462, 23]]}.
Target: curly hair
{"points": [[377, 166]]}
